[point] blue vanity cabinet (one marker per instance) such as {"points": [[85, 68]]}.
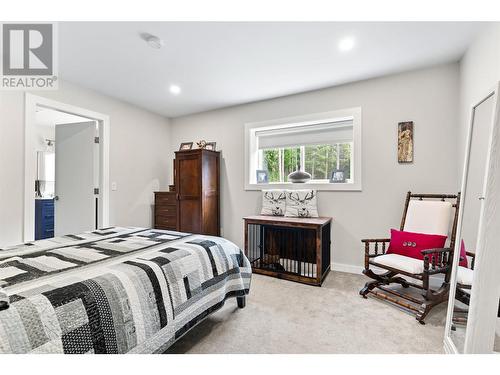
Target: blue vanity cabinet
{"points": [[44, 218]]}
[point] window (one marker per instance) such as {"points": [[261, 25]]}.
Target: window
{"points": [[320, 144], [318, 160]]}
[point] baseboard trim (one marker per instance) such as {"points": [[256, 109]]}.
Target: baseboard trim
{"points": [[347, 268]]}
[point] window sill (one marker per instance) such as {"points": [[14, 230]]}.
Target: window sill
{"points": [[319, 186]]}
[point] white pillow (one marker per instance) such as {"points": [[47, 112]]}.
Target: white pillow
{"points": [[429, 217], [273, 202], [301, 203]]}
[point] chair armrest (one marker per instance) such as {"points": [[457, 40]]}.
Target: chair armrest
{"points": [[379, 246], [373, 240], [436, 250], [437, 260], [473, 260]]}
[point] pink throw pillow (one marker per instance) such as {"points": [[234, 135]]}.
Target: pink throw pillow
{"points": [[411, 244], [463, 255]]}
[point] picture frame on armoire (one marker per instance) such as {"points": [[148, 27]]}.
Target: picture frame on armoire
{"points": [[186, 146], [210, 146]]}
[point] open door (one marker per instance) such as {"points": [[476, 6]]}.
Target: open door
{"points": [[75, 171]]}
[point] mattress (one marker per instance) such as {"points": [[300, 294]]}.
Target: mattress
{"points": [[115, 290]]}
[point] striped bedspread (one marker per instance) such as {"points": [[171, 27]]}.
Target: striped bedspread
{"points": [[116, 290]]}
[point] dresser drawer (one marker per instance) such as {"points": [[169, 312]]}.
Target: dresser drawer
{"points": [[165, 198], [165, 222], [47, 209], [166, 210], [49, 206]]}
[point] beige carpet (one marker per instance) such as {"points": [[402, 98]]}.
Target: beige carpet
{"points": [[287, 317]]}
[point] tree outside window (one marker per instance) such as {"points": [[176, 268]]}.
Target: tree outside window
{"points": [[318, 160]]}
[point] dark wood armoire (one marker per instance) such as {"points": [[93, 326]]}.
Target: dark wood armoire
{"points": [[197, 187]]}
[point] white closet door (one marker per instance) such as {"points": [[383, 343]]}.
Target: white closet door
{"points": [[75, 170]]}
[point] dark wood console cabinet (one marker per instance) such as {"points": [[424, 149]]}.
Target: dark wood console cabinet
{"points": [[296, 249]]}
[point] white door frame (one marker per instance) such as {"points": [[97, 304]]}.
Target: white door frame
{"points": [[31, 103]]}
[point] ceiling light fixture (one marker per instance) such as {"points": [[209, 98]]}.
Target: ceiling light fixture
{"points": [[174, 89], [346, 44], [153, 41]]}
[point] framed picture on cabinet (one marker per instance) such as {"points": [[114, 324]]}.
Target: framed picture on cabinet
{"points": [[186, 146], [210, 146]]}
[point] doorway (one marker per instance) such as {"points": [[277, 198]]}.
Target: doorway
{"points": [[66, 167]]}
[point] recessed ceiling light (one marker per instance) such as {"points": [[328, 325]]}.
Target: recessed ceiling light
{"points": [[153, 41], [174, 89], [346, 44]]}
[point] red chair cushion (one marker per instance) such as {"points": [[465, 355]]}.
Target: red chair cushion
{"points": [[463, 255], [411, 244]]}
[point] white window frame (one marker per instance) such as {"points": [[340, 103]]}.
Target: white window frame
{"points": [[251, 149]]}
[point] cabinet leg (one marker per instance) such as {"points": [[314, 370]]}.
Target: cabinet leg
{"points": [[241, 301]]}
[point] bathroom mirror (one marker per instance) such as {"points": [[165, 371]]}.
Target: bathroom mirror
{"points": [[471, 227], [45, 174]]}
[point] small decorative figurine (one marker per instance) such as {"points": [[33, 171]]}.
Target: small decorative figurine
{"points": [[202, 143]]}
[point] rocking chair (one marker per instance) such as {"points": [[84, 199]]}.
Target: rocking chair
{"points": [[423, 213]]}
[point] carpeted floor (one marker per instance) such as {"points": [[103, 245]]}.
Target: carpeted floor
{"points": [[287, 317]]}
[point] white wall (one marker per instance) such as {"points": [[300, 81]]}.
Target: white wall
{"points": [[139, 159], [479, 72], [428, 97]]}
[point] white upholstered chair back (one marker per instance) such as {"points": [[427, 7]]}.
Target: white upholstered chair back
{"points": [[429, 217]]}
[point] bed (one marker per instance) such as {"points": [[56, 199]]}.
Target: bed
{"points": [[115, 290]]}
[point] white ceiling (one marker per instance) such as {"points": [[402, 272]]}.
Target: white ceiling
{"points": [[223, 64]]}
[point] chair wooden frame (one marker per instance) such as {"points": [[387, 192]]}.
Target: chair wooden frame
{"points": [[436, 261], [460, 294], [459, 314]]}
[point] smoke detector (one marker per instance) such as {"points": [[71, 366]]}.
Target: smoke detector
{"points": [[153, 41]]}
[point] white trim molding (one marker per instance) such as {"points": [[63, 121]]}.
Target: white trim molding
{"points": [[251, 148], [31, 103], [347, 268]]}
